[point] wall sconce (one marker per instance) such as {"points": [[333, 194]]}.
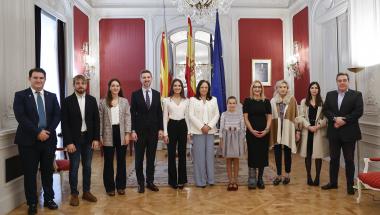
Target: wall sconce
{"points": [[88, 61], [294, 61]]}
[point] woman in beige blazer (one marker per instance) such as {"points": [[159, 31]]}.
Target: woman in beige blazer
{"points": [[314, 144], [115, 128]]}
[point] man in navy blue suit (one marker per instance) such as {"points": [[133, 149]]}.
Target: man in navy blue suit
{"points": [[38, 114]]}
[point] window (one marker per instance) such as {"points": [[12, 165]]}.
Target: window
{"points": [[49, 55], [202, 52]]}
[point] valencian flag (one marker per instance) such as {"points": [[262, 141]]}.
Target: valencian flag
{"points": [[190, 65], [164, 69], [218, 83]]}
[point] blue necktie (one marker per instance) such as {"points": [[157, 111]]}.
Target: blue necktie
{"points": [[41, 111], [147, 99]]}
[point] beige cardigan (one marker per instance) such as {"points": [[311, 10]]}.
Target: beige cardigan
{"points": [[287, 136], [320, 142], [105, 121]]}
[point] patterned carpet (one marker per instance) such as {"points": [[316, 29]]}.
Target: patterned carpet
{"points": [[161, 173]]}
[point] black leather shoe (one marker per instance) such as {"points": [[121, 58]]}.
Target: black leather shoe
{"points": [[32, 209], [316, 182], [152, 187], [173, 186], [141, 189], [260, 184], [51, 205], [180, 186], [310, 181], [329, 186], [350, 190]]}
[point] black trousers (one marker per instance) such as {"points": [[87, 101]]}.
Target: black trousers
{"points": [[348, 149], [121, 171], [177, 132], [146, 144], [43, 154], [278, 158]]}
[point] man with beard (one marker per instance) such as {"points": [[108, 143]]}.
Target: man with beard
{"points": [[81, 131], [147, 126]]}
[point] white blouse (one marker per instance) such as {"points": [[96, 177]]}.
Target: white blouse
{"points": [[115, 115], [175, 111]]}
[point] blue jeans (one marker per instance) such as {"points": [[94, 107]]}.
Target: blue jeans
{"points": [[84, 153]]}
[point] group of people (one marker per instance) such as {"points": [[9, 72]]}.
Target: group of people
{"points": [[322, 128]]}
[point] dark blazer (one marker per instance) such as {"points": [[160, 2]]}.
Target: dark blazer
{"points": [[351, 108], [25, 110], [144, 118], [72, 119]]}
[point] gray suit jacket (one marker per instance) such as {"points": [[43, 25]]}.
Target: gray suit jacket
{"points": [[106, 124]]}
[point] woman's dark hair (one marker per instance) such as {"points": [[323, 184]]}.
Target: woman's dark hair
{"points": [[109, 94], [318, 99], [171, 92], [198, 93]]}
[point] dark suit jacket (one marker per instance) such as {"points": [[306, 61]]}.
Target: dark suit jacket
{"points": [[72, 119], [351, 108], [25, 110], [144, 118]]}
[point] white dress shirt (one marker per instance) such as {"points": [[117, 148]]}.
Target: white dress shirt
{"points": [[115, 115], [82, 106], [341, 97], [150, 94], [35, 97], [175, 111]]}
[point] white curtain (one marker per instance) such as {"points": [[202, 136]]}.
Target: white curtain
{"points": [[49, 54], [365, 32]]}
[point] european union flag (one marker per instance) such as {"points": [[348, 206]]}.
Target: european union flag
{"points": [[218, 83]]}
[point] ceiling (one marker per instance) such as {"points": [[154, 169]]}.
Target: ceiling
{"points": [[168, 3]]}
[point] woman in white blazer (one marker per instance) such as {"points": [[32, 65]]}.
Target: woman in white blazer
{"points": [[115, 128], [203, 117], [312, 122]]}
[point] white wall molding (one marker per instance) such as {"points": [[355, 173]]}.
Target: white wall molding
{"points": [[14, 190]]}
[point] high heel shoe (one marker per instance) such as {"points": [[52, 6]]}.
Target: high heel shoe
{"points": [[277, 181], [286, 180]]}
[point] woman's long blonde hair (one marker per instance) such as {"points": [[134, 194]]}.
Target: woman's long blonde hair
{"points": [[251, 95]]}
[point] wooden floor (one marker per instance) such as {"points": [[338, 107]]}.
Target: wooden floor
{"points": [[295, 198]]}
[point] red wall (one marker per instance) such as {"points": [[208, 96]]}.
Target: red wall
{"points": [[81, 32], [260, 39], [301, 34], [122, 53]]}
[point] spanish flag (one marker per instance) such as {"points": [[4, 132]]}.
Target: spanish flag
{"points": [[190, 64], [164, 71]]}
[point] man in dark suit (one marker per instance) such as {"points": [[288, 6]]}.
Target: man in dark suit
{"points": [[147, 127], [81, 131], [38, 114], [343, 108]]}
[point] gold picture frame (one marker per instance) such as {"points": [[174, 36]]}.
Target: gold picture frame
{"points": [[262, 71]]}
